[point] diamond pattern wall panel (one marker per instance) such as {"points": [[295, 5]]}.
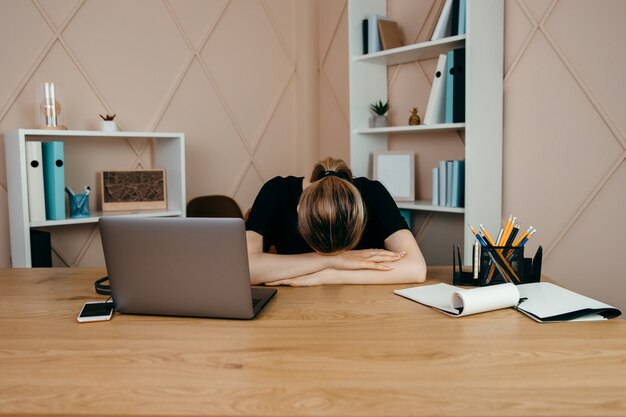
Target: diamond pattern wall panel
{"points": [[223, 72], [133, 62], [333, 80], [564, 144], [251, 78]]}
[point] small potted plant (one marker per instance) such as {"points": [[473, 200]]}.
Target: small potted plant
{"points": [[380, 109], [108, 124]]}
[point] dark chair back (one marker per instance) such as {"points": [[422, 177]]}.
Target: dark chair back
{"points": [[213, 206]]}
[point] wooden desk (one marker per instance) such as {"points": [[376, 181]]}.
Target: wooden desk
{"points": [[322, 351]]}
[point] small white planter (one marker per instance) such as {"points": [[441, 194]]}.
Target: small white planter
{"points": [[378, 121], [109, 126]]}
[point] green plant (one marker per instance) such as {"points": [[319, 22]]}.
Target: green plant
{"points": [[107, 118], [380, 108]]}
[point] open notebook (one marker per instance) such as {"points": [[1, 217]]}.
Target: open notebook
{"points": [[541, 301]]}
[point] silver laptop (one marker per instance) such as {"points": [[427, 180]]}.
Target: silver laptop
{"points": [[195, 267]]}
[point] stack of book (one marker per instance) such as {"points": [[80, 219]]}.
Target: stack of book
{"points": [[449, 184], [446, 103], [381, 33]]}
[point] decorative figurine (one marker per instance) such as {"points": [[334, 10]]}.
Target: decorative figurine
{"points": [[414, 120]]}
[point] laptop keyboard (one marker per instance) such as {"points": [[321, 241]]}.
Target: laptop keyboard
{"points": [[255, 301]]}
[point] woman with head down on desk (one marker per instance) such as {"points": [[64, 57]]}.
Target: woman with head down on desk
{"points": [[330, 228]]}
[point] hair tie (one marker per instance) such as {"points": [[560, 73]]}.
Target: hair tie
{"points": [[330, 174]]}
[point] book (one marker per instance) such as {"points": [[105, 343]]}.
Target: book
{"points": [[365, 34], [436, 107], [459, 302], [455, 86], [40, 249], [458, 89], [449, 87], [442, 29], [454, 18], [34, 181], [546, 302], [435, 187], [449, 174], [438, 7], [442, 183], [458, 183], [462, 17], [541, 301], [373, 41], [54, 179], [390, 35]]}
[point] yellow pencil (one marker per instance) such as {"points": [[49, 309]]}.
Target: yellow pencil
{"points": [[486, 233], [507, 231]]}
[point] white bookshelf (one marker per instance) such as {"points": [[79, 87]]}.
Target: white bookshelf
{"points": [[484, 48], [167, 152]]}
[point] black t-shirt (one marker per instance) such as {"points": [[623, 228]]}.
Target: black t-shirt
{"points": [[274, 215]]}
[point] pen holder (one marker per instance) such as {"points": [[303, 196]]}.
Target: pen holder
{"points": [[497, 263], [79, 205]]}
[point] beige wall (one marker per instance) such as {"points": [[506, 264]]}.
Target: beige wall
{"points": [[260, 89]]}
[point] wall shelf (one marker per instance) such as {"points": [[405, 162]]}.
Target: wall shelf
{"points": [[83, 162], [412, 129], [484, 56]]}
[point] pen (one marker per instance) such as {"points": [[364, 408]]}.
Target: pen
{"points": [[499, 238], [523, 236], [514, 232], [475, 261], [523, 241]]}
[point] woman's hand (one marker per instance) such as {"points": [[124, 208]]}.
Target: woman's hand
{"points": [[371, 259], [365, 259]]}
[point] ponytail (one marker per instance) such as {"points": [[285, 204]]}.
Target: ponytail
{"points": [[331, 214]]}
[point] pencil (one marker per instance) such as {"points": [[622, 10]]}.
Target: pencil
{"points": [[507, 230], [523, 236], [489, 239], [478, 237]]}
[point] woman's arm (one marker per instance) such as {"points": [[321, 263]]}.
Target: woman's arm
{"points": [[411, 268], [269, 267]]}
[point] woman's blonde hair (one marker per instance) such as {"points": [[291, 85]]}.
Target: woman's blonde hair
{"points": [[331, 213]]}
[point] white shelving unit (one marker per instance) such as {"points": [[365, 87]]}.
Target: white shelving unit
{"points": [[484, 48], [82, 150]]}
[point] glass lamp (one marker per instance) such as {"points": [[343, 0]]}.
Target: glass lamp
{"points": [[51, 110]]}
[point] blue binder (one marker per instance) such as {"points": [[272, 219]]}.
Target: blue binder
{"points": [[54, 179], [462, 13], [449, 86]]}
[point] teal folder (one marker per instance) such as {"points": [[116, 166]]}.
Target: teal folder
{"points": [[462, 17], [54, 179], [450, 87]]}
